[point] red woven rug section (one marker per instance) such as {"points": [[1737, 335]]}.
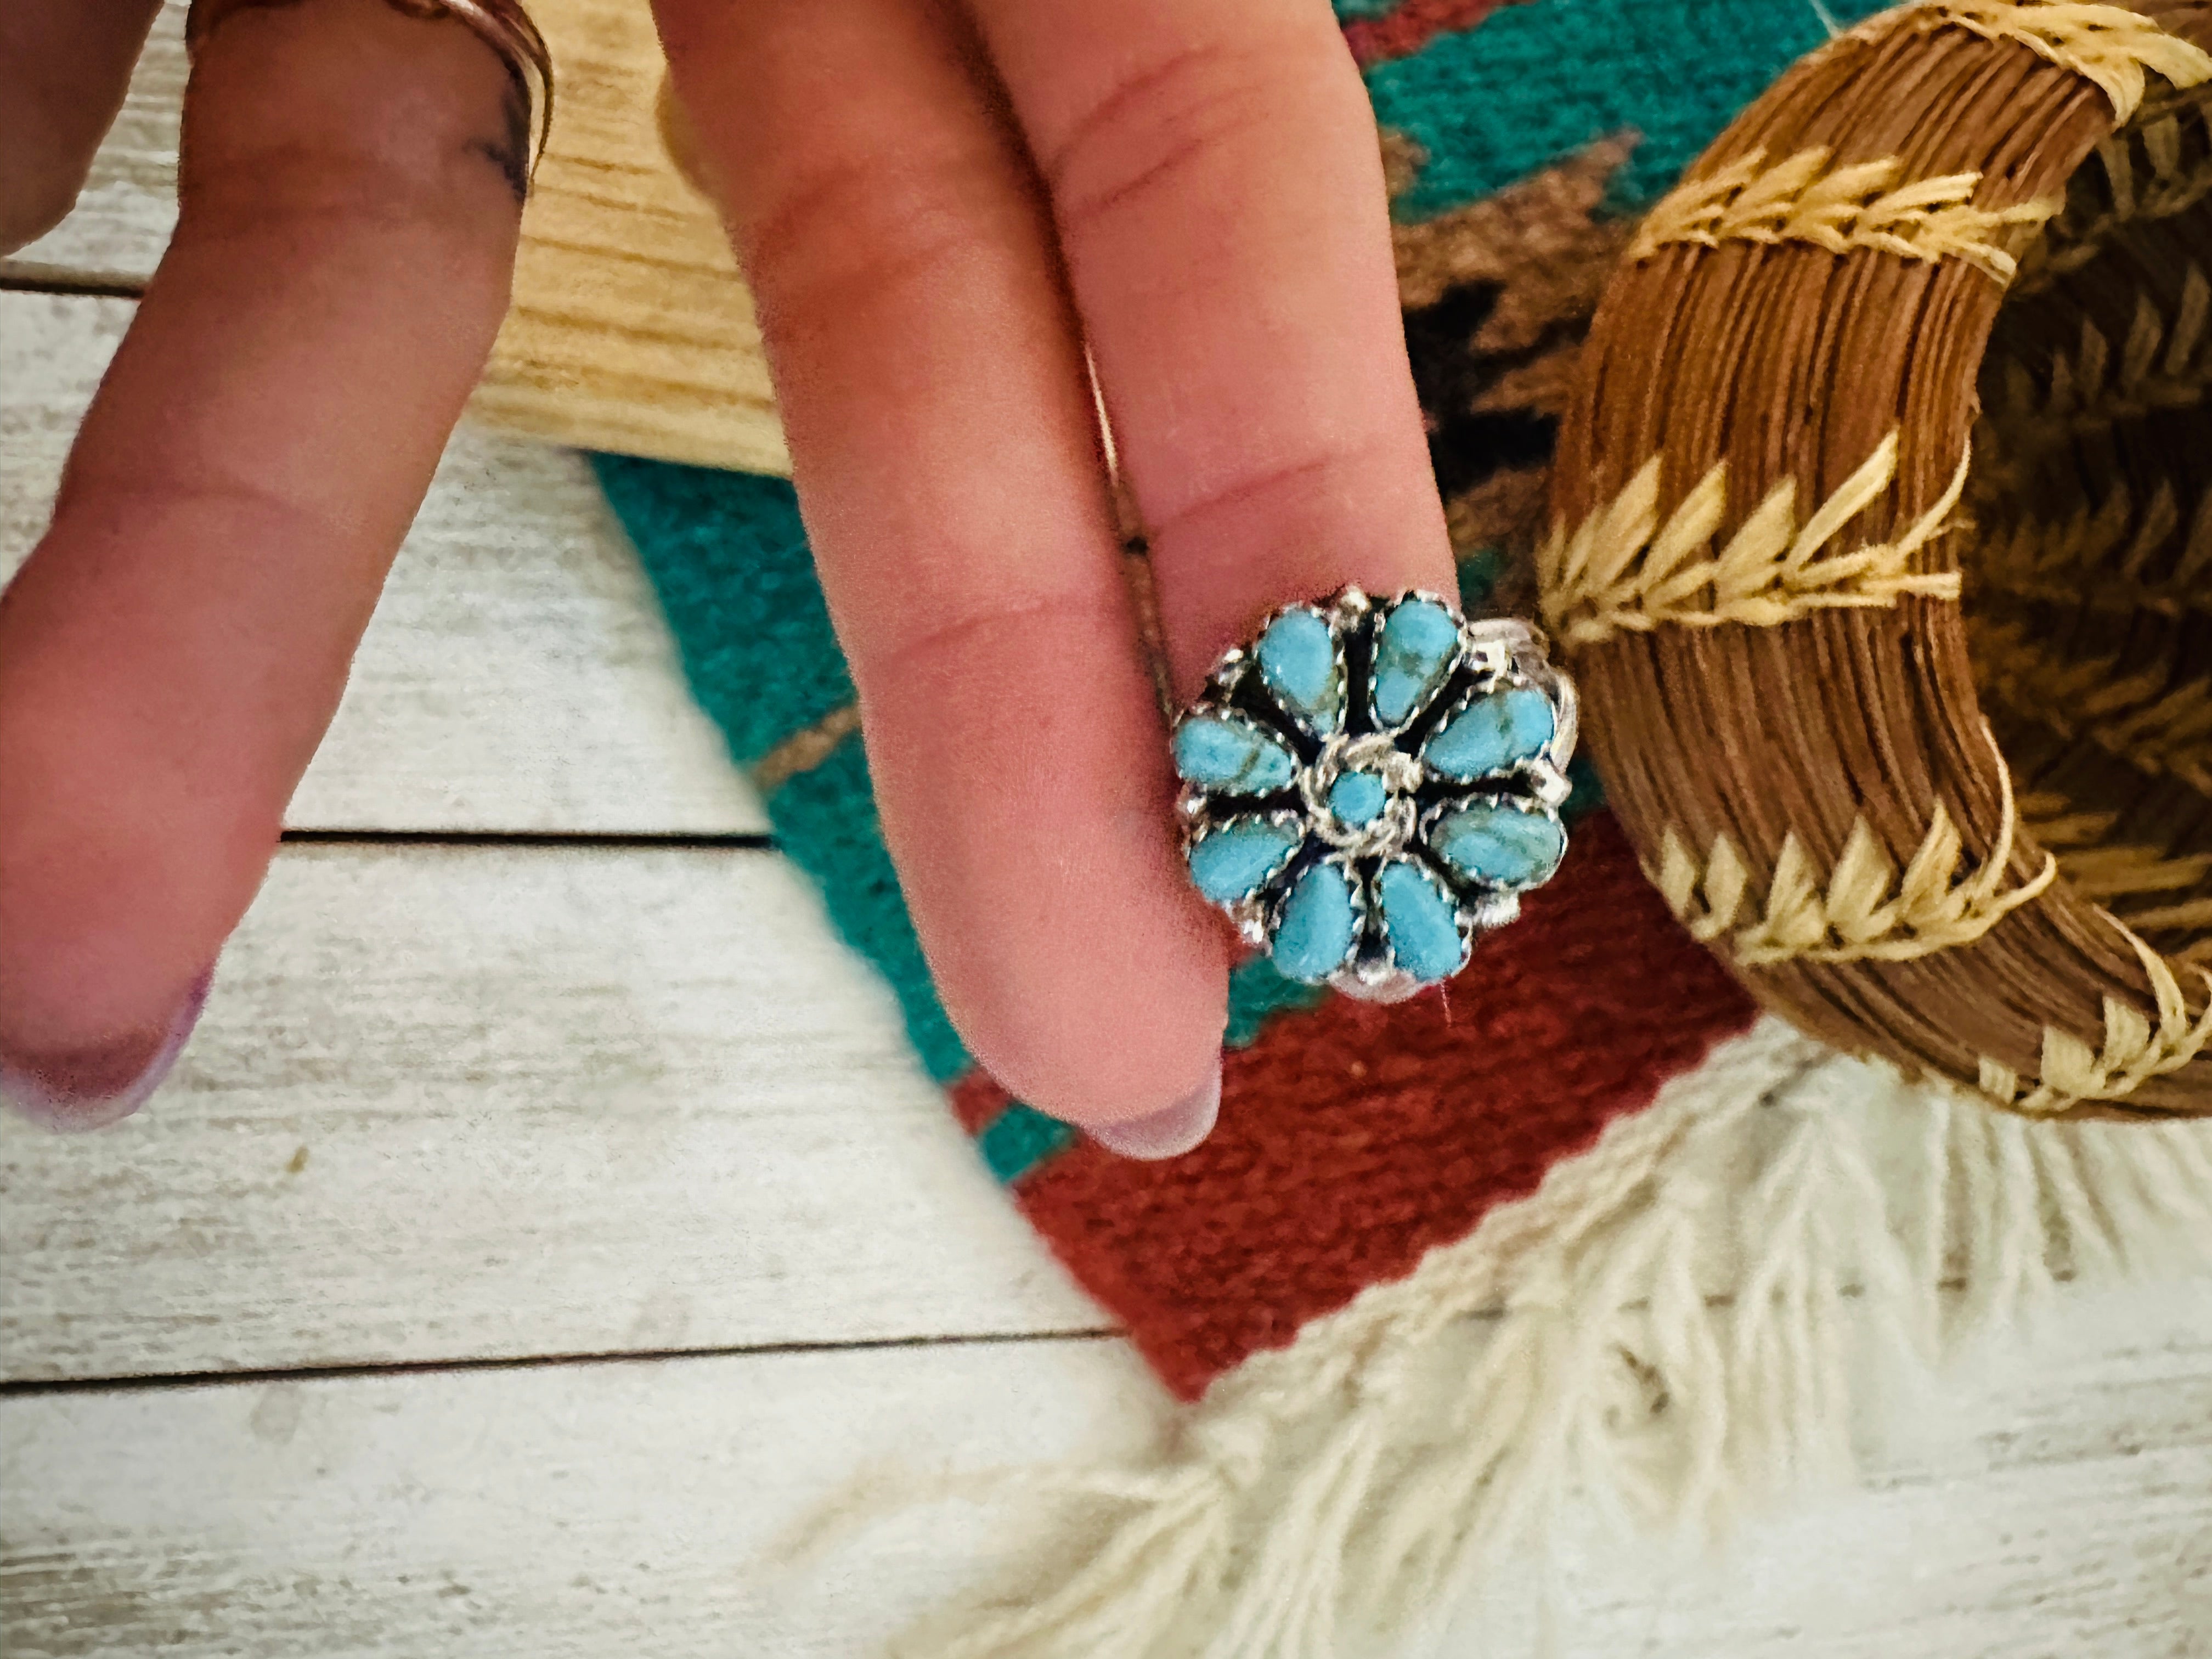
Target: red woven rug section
{"points": [[1353, 1139], [1407, 28]]}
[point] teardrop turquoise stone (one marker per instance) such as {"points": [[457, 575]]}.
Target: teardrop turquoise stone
{"points": [[1502, 845], [1416, 649], [1493, 735], [1225, 752], [1297, 660], [1314, 934], [1421, 922], [1233, 861], [1357, 797]]}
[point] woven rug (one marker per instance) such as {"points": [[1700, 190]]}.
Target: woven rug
{"points": [[1584, 1224]]}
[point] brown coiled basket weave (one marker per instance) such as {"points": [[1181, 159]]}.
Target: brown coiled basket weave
{"points": [[1882, 548]]}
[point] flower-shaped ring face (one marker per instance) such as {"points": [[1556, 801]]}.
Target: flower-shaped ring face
{"points": [[1370, 786]]}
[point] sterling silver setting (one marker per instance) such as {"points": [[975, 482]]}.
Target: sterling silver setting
{"points": [[1383, 774]]}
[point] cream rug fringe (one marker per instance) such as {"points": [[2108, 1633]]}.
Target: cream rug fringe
{"points": [[1665, 1330]]}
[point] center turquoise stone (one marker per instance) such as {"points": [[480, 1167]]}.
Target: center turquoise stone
{"points": [[1357, 799]]}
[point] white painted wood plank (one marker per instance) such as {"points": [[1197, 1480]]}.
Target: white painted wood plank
{"points": [[485, 1101], [577, 1512], [518, 675], [2052, 1496], [123, 219]]}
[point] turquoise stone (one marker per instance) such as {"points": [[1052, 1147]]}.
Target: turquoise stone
{"points": [[1229, 753], [1357, 797], [1233, 861], [1421, 922], [1502, 845], [1318, 923], [1413, 653], [1492, 735], [1298, 659]]}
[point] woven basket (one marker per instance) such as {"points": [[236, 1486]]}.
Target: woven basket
{"points": [[1882, 547]]}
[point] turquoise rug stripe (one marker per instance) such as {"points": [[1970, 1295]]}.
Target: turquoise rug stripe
{"points": [[1022, 1139], [1675, 71], [727, 554], [1256, 994]]}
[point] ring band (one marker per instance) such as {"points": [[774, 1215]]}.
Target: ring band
{"points": [[505, 27], [502, 25], [1369, 786]]}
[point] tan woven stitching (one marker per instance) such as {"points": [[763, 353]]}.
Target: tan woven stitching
{"points": [[2052, 819], [1623, 571], [2147, 177], [2114, 546], [2190, 915], [2110, 46], [1803, 199], [806, 749], [2167, 363], [2114, 875], [1865, 911], [2107, 873], [2071, 1073], [2157, 728], [2134, 1050]]}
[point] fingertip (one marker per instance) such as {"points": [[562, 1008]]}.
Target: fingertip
{"points": [[90, 1088], [1158, 1136], [134, 833], [1104, 1051], [1106, 1003], [1022, 781]]}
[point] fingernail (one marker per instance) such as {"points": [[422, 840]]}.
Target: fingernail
{"points": [[1165, 1134], [93, 1088]]}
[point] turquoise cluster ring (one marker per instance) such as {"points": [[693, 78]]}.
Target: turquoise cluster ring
{"points": [[1370, 785]]}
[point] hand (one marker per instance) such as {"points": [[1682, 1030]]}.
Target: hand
{"points": [[939, 209]]}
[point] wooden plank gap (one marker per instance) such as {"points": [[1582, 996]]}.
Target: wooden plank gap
{"points": [[21, 276], [636, 840], [161, 1381]]}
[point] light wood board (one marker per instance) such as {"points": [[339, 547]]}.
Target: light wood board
{"points": [[518, 675], [456, 1103], [630, 329], [590, 1511]]}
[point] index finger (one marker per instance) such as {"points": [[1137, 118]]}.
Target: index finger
{"points": [[65, 67], [174, 645]]}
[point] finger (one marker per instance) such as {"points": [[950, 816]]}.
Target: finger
{"points": [[172, 649], [1218, 192], [65, 66], [944, 447]]}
